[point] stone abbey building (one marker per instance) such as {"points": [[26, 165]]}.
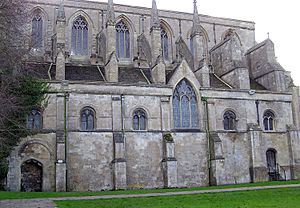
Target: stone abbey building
{"points": [[147, 98]]}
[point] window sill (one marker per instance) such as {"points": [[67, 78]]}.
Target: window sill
{"points": [[186, 130]]}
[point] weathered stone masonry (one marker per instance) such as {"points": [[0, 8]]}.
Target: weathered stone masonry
{"points": [[146, 98]]}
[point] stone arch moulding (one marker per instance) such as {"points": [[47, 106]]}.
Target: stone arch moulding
{"points": [[205, 34], [82, 13], [24, 145], [167, 27], [39, 10], [127, 21], [231, 32]]}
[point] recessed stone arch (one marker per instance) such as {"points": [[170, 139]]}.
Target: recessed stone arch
{"points": [[127, 21], [231, 33]]}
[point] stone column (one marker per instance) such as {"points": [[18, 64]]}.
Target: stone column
{"points": [[169, 162], [294, 149], [258, 171], [165, 114], [119, 162]]}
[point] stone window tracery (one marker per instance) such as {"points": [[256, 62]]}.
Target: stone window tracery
{"points": [[87, 119], [34, 120], [268, 120], [185, 110], [80, 37], [37, 32], [139, 120], [122, 40], [164, 43], [229, 120]]}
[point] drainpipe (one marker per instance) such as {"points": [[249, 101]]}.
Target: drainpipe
{"points": [[257, 111], [207, 130], [66, 95]]}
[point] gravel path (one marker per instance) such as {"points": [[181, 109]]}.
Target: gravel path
{"points": [[49, 202]]}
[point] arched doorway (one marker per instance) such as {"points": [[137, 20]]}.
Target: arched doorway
{"points": [[31, 176], [271, 162]]}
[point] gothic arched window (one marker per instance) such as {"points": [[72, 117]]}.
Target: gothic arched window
{"points": [[34, 120], [185, 110], [122, 40], [139, 120], [164, 43], [80, 37], [87, 119], [268, 120], [37, 32], [229, 119]]}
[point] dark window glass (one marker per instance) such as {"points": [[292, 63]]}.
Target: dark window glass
{"points": [[185, 110], [139, 120], [80, 37], [268, 121], [34, 120], [122, 40], [229, 119], [164, 43], [87, 119], [37, 32]]}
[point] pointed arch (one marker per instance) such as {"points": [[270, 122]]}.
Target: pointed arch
{"points": [[39, 17], [87, 46], [185, 106], [127, 21], [167, 36], [230, 33]]}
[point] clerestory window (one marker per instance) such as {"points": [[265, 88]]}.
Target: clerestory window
{"points": [[164, 43], [37, 32], [80, 37], [122, 40]]}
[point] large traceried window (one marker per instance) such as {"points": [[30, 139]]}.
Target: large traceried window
{"points": [[268, 120], [122, 40], [229, 120], [185, 110], [37, 32], [164, 43], [80, 37], [34, 120], [87, 119]]}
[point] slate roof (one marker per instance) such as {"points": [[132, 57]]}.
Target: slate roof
{"points": [[134, 75], [84, 73]]}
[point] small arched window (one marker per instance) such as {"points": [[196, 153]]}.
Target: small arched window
{"points": [[268, 120], [185, 110], [164, 43], [34, 120], [122, 40], [80, 37], [229, 120], [37, 32], [87, 119], [139, 120]]}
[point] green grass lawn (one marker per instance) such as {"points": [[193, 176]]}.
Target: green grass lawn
{"points": [[30, 195], [272, 198]]}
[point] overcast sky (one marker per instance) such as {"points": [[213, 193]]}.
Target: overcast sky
{"points": [[279, 18]]}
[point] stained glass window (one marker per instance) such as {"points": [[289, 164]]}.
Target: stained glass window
{"points": [[185, 110], [34, 120], [80, 37], [122, 40], [87, 119], [139, 120], [268, 120], [164, 43], [229, 119], [37, 32]]}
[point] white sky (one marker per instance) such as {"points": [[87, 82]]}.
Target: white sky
{"points": [[279, 18]]}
